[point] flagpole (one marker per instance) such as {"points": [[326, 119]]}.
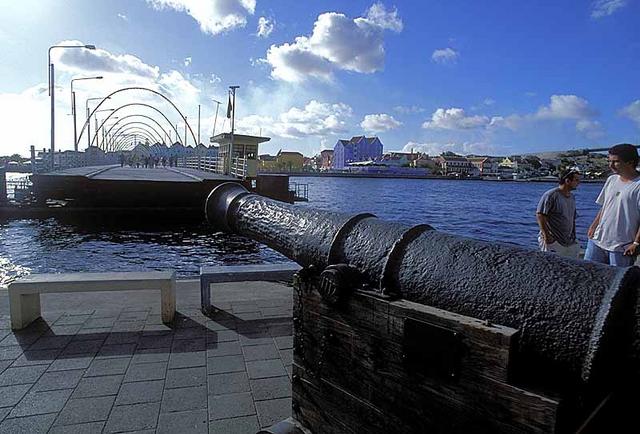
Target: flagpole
{"points": [[233, 118]]}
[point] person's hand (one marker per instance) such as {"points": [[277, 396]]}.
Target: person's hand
{"points": [[631, 250]]}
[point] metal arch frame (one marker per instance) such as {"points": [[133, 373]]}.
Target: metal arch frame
{"points": [[159, 136], [124, 89], [166, 133], [135, 104], [138, 131], [124, 143], [128, 142]]}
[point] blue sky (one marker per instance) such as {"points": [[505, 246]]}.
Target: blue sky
{"points": [[498, 77]]}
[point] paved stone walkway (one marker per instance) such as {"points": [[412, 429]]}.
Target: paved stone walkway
{"points": [[104, 362]]}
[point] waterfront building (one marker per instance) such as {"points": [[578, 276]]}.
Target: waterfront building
{"points": [[359, 148], [289, 161], [326, 159], [399, 159], [267, 163], [457, 164]]}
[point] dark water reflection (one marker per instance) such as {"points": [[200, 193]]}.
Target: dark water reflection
{"points": [[495, 211]]}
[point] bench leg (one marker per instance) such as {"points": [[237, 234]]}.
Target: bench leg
{"points": [[205, 295], [24, 308], [168, 299]]}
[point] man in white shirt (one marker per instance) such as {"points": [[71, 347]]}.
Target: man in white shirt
{"points": [[614, 235]]}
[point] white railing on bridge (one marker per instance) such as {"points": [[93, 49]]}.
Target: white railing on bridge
{"points": [[215, 165]]}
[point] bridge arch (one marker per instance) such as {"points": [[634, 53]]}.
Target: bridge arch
{"points": [[126, 89], [141, 105], [120, 119], [148, 127]]}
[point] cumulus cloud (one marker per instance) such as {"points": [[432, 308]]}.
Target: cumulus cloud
{"points": [[314, 119], [445, 56], [436, 148], [566, 107], [265, 27], [336, 43], [454, 119], [187, 61], [213, 16], [99, 60], [603, 8], [379, 122], [632, 111], [590, 128], [123, 17]]}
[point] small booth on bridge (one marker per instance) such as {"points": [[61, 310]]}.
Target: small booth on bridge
{"points": [[239, 158]]}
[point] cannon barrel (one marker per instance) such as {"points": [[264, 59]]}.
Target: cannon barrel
{"points": [[577, 321]]}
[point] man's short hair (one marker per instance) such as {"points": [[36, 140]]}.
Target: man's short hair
{"points": [[627, 153], [567, 175]]}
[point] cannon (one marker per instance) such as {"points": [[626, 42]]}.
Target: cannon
{"points": [[408, 329]]}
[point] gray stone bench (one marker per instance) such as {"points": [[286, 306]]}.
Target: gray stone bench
{"points": [[24, 294], [241, 273]]}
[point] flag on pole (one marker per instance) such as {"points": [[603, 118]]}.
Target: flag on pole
{"points": [[229, 107]]}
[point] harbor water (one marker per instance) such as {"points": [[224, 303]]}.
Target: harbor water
{"points": [[487, 210]]}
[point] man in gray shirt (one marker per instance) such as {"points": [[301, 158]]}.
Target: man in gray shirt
{"points": [[556, 215]]}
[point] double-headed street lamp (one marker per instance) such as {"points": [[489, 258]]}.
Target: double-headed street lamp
{"points": [[86, 104], [73, 108], [52, 84]]}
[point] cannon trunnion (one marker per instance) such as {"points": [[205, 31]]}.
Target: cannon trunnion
{"points": [[407, 329]]}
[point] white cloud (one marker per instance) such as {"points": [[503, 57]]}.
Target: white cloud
{"points": [[123, 17], [566, 107], [99, 60], [379, 122], [511, 122], [445, 56], [603, 8], [408, 109], [435, 148], [632, 111], [489, 101], [213, 16], [336, 43], [265, 27], [454, 119], [187, 61], [314, 119], [590, 128]]}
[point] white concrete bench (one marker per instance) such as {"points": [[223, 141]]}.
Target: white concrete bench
{"points": [[241, 273], [24, 294]]}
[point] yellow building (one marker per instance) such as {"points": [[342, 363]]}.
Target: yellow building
{"points": [[289, 161]]}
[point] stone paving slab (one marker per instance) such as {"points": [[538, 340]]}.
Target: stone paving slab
{"points": [[105, 362]]}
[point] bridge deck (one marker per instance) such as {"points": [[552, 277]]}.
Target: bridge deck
{"points": [[167, 174]]}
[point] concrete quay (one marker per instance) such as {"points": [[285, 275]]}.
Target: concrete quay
{"points": [[103, 362]]}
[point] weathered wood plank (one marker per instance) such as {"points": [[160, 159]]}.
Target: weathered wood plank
{"points": [[356, 351]]}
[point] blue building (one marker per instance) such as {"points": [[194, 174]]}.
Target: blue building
{"points": [[359, 148]]}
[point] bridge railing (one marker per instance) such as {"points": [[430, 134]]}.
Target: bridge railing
{"points": [[239, 168], [215, 165]]}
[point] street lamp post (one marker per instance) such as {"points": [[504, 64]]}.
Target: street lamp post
{"points": [[52, 83], [86, 104], [73, 108], [233, 123]]}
